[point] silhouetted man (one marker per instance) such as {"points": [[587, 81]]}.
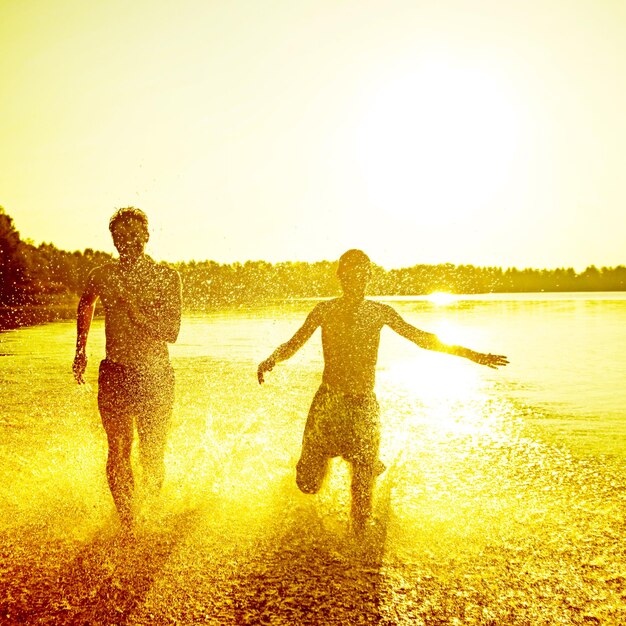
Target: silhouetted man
{"points": [[344, 416], [142, 310]]}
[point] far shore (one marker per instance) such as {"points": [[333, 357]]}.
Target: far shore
{"points": [[13, 317]]}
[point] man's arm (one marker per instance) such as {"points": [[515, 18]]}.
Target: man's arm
{"points": [[288, 349], [84, 315], [162, 321], [431, 342]]}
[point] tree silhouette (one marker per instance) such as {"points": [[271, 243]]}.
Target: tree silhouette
{"points": [[35, 275], [12, 262]]}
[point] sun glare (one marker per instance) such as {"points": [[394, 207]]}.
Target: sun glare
{"points": [[441, 298], [440, 382], [442, 389], [437, 142]]}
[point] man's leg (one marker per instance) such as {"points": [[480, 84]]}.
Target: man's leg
{"points": [[313, 464], [153, 424], [152, 430], [119, 431], [311, 470], [366, 465], [118, 424], [362, 487]]}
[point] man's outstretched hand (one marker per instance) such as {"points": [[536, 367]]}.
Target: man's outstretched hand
{"points": [[264, 366], [494, 361]]}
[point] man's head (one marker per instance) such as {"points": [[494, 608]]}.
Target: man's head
{"points": [[354, 271], [129, 229]]}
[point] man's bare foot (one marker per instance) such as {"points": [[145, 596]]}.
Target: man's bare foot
{"points": [[128, 529]]}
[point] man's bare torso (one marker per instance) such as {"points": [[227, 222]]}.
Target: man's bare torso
{"points": [[128, 342], [350, 340]]}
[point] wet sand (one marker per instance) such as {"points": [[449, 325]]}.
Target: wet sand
{"points": [[512, 533]]}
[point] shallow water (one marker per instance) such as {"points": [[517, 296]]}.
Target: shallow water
{"points": [[503, 501]]}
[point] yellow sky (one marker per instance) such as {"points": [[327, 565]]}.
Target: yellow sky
{"points": [[482, 132]]}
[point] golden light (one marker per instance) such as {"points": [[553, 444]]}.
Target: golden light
{"points": [[437, 378], [436, 392], [441, 298], [437, 142]]}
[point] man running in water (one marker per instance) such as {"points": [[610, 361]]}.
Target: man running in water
{"points": [[344, 416], [142, 310]]}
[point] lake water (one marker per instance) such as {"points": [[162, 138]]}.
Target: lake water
{"points": [[513, 461], [568, 363]]}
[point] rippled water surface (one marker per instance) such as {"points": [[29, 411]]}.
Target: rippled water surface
{"points": [[503, 501]]}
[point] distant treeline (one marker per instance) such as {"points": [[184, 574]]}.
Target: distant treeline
{"points": [[32, 275], [43, 274], [208, 284]]}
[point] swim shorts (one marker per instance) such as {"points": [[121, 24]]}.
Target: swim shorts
{"points": [[346, 425], [125, 390]]}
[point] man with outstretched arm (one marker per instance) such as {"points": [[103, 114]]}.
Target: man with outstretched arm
{"points": [[344, 416], [142, 311]]}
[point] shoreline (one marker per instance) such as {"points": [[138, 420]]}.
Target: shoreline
{"points": [[14, 317]]}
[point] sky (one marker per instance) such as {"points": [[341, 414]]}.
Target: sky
{"points": [[482, 131]]}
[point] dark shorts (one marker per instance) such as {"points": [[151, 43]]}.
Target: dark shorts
{"points": [[128, 391], [342, 425]]}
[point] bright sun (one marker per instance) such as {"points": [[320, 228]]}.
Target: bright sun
{"points": [[437, 142], [441, 298]]}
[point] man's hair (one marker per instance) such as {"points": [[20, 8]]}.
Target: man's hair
{"points": [[128, 213], [353, 259]]}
